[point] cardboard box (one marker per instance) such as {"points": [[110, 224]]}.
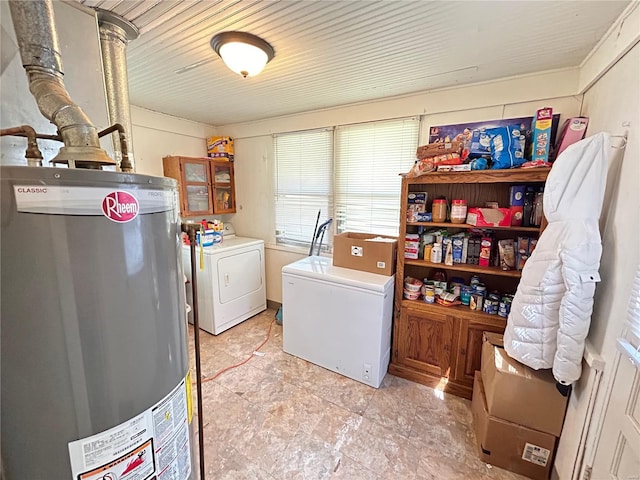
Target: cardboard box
{"points": [[360, 252], [516, 195], [220, 148], [541, 134], [508, 445], [573, 131], [516, 215], [489, 217], [517, 393]]}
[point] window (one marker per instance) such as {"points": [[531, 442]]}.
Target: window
{"points": [[368, 159], [304, 171], [351, 176]]}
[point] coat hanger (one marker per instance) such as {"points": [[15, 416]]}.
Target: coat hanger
{"points": [[623, 137], [624, 141]]}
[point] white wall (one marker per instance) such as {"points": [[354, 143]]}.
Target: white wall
{"points": [[611, 104], [156, 135], [254, 164], [610, 80]]}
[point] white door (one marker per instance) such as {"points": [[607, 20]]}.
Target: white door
{"points": [[239, 275], [618, 453]]}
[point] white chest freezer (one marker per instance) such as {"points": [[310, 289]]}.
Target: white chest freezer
{"points": [[338, 318]]}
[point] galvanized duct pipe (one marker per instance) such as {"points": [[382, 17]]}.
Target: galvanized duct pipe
{"points": [[38, 41], [115, 33]]}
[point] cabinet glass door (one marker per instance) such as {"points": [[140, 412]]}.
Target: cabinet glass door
{"points": [[222, 173], [196, 186], [223, 187], [195, 172], [198, 198]]}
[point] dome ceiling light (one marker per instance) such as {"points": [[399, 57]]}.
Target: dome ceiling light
{"points": [[242, 52]]}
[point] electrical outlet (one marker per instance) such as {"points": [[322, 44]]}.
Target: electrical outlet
{"points": [[356, 251], [366, 371]]}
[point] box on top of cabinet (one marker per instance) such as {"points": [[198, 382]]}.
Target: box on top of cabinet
{"points": [[366, 252], [220, 148]]}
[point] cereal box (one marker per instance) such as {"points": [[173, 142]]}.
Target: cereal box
{"points": [[220, 148], [541, 134]]}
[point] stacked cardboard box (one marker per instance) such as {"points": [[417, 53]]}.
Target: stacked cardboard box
{"points": [[517, 412]]}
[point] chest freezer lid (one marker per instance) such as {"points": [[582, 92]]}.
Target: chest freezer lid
{"points": [[321, 268]]}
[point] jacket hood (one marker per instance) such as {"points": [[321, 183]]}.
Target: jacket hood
{"points": [[576, 184]]}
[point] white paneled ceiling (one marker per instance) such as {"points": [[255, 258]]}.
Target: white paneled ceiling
{"points": [[338, 52]]}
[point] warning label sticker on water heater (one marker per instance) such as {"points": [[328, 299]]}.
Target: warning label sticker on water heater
{"points": [[154, 445], [117, 205]]}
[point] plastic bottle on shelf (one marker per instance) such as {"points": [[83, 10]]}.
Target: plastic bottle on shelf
{"points": [[436, 253]]}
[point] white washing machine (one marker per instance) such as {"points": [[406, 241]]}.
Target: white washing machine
{"points": [[231, 287]]}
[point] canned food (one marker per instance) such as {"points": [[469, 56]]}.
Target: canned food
{"points": [[475, 280], [465, 294], [456, 290], [475, 302], [480, 288], [440, 287], [495, 297], [429, 294], [504, 307], [490, 307]]}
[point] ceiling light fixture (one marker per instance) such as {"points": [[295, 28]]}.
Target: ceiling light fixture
{"points": [[242, 52]]}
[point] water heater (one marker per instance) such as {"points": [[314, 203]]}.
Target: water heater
{"points": [[94, 356]]}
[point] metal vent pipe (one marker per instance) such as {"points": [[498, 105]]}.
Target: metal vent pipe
{"points": [[39, 49], [115, 34]]}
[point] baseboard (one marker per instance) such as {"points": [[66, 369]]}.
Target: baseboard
{"points": [[451, 386], [273, 305]]}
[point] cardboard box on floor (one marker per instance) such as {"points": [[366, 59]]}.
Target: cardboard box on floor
{"points": [[508, 445], [359, 252], [517, 393]]}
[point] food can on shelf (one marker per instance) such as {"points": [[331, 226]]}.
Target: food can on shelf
{"points": [[465, 294], [475, 280], [504, 307], [480, 288], [440, 287], [490, 306], [475, 302], [429, 294]]}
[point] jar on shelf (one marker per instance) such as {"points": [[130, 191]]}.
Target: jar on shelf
{"points": [[439, 210], [458, 211]]}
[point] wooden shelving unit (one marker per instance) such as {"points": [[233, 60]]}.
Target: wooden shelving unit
{"points": [[437, 345], [466, 226], [464, 267]]}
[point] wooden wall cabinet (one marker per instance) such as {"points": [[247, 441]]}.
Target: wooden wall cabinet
{"points": [[442, 346], [206, 186]]}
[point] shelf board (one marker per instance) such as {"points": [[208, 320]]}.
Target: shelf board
{"points": [[467, 226], [457, 310], [524, 175], [464, 267]]}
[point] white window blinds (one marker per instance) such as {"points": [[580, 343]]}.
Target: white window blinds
{"points": [[304, 173], [369, 158]]}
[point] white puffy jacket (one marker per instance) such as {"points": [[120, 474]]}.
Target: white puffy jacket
{"points": [[551, 311]]}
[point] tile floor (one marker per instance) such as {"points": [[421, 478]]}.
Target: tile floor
{"points": [[280, 417]]}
